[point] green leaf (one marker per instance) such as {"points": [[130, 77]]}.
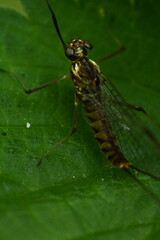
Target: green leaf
{"points": [[72, 195], [15, 5]]}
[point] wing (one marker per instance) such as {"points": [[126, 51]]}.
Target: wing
{"points": [[136, 141]]}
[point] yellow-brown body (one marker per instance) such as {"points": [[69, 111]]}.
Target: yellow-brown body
{"points": [[88, 81]]}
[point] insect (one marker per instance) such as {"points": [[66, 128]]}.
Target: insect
{"points": [[108, 113]]}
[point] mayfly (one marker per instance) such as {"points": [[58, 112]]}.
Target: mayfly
{"points": [[106, 110]]}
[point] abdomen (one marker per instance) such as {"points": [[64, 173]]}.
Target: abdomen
{"points": [[103, 132]]}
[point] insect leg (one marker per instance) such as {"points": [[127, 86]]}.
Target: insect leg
{"points": [[140, 109], [121, 49], [46, 85], [34, 89], [74, 128], [134, 107], [145, 129]]}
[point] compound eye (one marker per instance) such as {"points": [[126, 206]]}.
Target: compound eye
{"points": [[69, 52], [87, 44]]}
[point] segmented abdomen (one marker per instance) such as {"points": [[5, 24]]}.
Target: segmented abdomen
{"points": [[103, 133]]}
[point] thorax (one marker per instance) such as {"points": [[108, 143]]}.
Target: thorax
{"points": [[86, 76]]}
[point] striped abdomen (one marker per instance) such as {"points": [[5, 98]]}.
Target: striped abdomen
{"points": [[104, 135]]}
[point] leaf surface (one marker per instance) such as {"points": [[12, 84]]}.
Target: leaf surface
{"points": [[75, 193]]}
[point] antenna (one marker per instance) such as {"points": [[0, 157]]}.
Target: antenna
{"points": [[56, 24]]}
